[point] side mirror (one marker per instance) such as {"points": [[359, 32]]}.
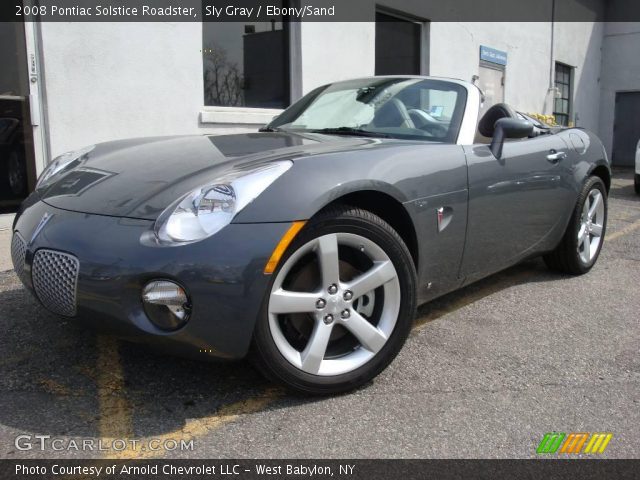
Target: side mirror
{"points": [[508, 128]]}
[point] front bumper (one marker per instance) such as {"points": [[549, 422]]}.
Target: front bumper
{"points": [[223, 276]]}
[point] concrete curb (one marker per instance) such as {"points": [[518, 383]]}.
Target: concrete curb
{"points": [[6, 221]]}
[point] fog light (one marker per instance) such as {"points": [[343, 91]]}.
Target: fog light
{"points": [[166, 304]]}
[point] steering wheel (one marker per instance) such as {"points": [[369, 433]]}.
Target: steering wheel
{"points": [[393, 114], [404, 113], [427, 123]]}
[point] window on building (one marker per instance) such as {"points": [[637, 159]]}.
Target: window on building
{"points": [[398, 45], [246, 64], [562, 108]]}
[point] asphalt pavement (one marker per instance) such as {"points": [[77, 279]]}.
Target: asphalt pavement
{"points": [[487, 371]]}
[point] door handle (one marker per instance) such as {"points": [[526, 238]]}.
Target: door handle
{"points": [[555, 157]]}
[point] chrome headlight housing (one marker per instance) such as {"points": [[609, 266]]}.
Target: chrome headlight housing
{"points": [[207, 209], [61, 164]]}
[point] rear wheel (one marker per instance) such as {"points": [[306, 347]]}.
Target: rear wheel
{"points": [[339, 307], [580, 247], [636, 183]]}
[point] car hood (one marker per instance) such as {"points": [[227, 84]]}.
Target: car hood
{"points": [[139, 178]]}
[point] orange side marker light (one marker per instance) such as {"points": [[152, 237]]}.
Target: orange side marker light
{"points": [[284, 242]]}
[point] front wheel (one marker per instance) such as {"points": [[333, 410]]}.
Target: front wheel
{"points": [[339, 307], [636, 182], [580, 247]]}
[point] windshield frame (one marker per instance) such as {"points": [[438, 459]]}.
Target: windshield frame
{"points": [[293, 112]]}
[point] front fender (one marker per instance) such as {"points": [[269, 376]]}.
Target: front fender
{"points": [[405, 173], [307, 188]]}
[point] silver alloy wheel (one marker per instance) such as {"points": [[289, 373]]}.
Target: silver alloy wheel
{"points": [[591, 226], [333, 304]]}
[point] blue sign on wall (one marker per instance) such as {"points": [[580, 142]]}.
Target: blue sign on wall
{"points": [[492, 55]]}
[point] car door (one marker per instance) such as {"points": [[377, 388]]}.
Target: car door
{"points": [[516, 203]]}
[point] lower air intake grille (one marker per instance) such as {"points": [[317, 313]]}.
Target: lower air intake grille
{"points": [[55, 278]]}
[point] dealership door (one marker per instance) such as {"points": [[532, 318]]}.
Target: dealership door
{"points": [[491, 82], [17, 159], [626, 128]]}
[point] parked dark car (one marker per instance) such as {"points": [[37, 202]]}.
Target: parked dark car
{"points": [[309, 244], [14, 167]]}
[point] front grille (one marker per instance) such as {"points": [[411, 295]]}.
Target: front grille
{"points": [[55, 278], [18, 252]]}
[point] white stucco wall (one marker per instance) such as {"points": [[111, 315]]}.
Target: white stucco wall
{"points": [[529, 57], [620, 72], [455, 52], [579, 44], [334, 51], [108, 81]]}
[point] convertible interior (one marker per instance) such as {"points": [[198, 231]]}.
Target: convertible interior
{"points": [[398, 113], [403, 114]]}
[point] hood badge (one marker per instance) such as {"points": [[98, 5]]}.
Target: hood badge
{"points": [[43, 221]]}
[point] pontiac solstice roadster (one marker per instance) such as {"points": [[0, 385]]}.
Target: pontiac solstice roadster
{"points": [[308, 245]]}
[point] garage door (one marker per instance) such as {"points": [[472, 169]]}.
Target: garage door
{"points": [[626, 128]]}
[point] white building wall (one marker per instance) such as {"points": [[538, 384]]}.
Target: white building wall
{"points": [[332, 51], [529, 60], [620, 72], [107, 81], [579, 44], [455, 52]]}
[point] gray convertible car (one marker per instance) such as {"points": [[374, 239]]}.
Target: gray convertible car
{"points": [[308, 245]]}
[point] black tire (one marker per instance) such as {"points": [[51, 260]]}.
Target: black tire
{"points": [[264, 353], [636, 182], [566, 258]]}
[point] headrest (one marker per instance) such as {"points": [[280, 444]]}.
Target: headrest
{"points": [[491, 116]]}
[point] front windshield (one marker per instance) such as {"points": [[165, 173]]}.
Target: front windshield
{"points": [[409, 108]]}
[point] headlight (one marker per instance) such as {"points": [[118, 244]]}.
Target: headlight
{"points": [[64, 162], [205, 210]]}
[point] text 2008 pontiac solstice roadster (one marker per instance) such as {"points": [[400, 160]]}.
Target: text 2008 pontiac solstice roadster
{"points": [[308, 245]]}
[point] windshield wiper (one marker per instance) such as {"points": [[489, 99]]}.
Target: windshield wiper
{"points": [[349, 131], [270, 129]]}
